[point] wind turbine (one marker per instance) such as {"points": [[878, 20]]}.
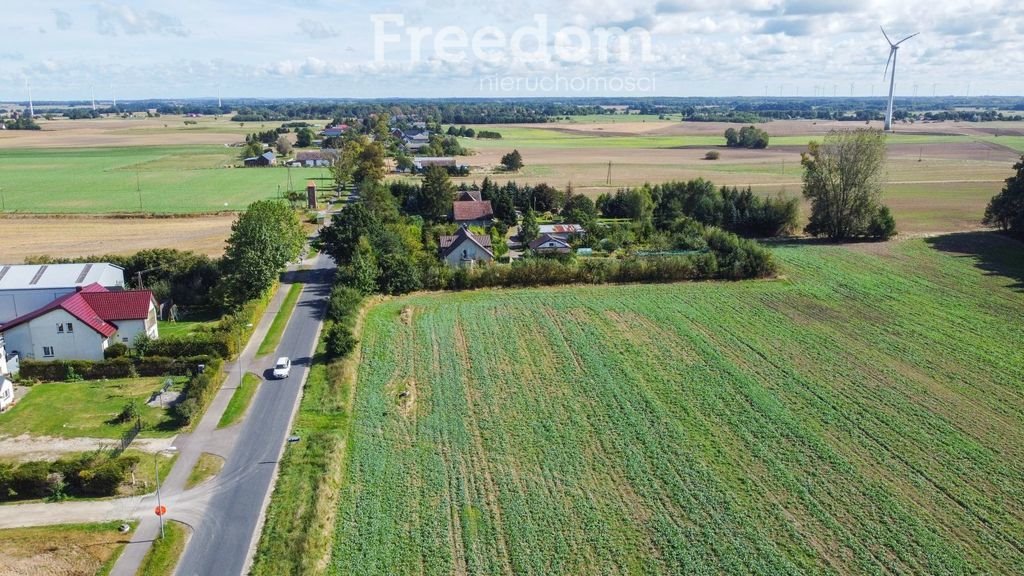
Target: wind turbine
{"points": [[893, 48], [31, 110]]}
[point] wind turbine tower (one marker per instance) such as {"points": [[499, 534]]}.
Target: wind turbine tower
{"points": [[31, 110], [893, 48]]}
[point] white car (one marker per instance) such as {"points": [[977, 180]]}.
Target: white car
{"points": [[283, 367]]}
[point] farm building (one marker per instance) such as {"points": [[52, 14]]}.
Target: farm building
{"points": [[335, 131], [472, 212], [563, 231], [417, 141], [465, 248], [28, 287], [266, 159], [548, 244], [421, 163], [315, 158], [82, 324]]}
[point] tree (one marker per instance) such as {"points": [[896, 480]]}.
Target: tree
{"points": [[341, 238], [283, 145], [747, 137], [252, 149], [263, 240], [369, 167], [843, 181], [513, 161], [579, 210], [436, 195], [529, 230], [1006, 209], [304, 138]]}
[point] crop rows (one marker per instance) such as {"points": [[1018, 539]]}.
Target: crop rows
{"points": [[863, 415]]}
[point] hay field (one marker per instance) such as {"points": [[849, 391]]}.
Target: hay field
{"points": [[831, 422]]}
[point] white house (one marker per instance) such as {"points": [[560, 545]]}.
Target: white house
{"points": [[81, 325], [548, 244], [25, 288], [6, 393], [465, 249]]}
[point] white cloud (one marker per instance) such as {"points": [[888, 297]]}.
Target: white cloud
{"points": [[113, 19]]}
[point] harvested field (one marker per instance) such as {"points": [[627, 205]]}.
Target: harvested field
{"points": [[833, 422], [73, 236]]}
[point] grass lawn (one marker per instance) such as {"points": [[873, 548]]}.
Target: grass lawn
{"points": [[863, 414], [183, 328], [163, 556], [71, 549], [240, 400], [273, 337], [207, 467], [82, 409]]}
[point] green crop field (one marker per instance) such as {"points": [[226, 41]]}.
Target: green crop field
{"points": [[173, 179], [863, 414]]}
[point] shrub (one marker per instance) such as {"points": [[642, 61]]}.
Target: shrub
{"points": [[29, 480], [339, 341], [712, 155], [343, 304], [218, 344], [116, 350], [129, 412], [882, 225]]}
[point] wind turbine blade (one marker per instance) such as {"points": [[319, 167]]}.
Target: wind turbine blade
{"points": [[886, 36], [907, 38], [887, 62]]}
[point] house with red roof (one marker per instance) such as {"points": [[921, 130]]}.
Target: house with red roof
{"points": [[472, 212], [81, 325]]}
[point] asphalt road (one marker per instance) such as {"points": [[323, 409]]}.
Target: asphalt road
{"points": [[221, 541]]}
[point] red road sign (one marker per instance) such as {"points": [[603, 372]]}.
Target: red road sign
{"points": [[161, 510]]}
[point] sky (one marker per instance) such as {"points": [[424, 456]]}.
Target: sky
{"points": [[529, 48]]}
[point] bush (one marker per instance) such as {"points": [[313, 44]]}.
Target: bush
{"points": [[29, 481], [712, 155], [116, 350], [343, 304], [339, 341], [219, 343], [882, 225]]}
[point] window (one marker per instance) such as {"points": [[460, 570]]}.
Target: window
{"points": [[60, 328], [47, 351], [71, 328], [124, 339]]}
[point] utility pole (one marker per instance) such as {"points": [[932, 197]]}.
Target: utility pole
{"points": [[608, 180]]}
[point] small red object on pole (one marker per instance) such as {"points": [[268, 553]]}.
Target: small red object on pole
{"points": [[161, 510]]}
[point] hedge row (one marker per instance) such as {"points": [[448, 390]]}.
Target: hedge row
{"points": [[65, 370], [342, 309], [197, 394], [95, 474], [731, 259], [219, 344]]}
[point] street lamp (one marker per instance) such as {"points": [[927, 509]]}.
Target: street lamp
{"points": [[156, 469], [239, 360]]}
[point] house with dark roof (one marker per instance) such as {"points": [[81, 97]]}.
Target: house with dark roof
{"points": [[468, 196], [472, 212], [548, 244], [266, 159], [81, 325], [466, 248]]}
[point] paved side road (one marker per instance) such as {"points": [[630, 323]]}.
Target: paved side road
{"points": [[225, 530]]}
